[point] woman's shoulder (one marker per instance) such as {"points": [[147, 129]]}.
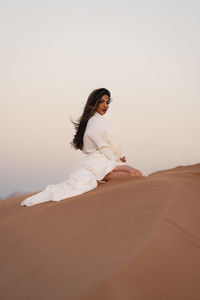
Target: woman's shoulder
{"points": [[95, 119], [96, 122]]}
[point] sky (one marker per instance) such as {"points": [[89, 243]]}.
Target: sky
{"points": [[53, 54]]}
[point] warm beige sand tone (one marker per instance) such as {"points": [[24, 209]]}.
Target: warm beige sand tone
{"points": [[134, 238]]}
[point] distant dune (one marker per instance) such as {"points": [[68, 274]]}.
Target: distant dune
{"points": [[14, 194], [133, 238]]}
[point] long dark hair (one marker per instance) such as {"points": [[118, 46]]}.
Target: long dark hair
{"points": [[88, 112]]}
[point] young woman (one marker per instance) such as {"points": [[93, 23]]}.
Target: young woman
{"points": [[103, 159]]}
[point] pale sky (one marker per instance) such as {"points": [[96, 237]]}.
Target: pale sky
{"points": [[55, 53]]}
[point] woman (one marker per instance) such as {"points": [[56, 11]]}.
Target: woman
{"points": [[103, 160]]}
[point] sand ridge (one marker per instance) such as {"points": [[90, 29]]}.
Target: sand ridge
{"points": [[131, 238]]}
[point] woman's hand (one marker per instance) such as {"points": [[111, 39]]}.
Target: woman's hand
{"points": [[123, 158]]}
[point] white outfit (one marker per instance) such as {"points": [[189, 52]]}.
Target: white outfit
{"points": [[102, 150]]}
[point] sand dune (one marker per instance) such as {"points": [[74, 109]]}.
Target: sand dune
{"points": [[133, 238]]}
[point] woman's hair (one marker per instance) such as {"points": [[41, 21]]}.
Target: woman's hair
{"points": [[88, 112]]}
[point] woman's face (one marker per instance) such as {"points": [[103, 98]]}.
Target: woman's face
{"points": [[103, 105]]}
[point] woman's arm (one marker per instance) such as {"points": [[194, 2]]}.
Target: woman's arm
{"points": [[108, 153], [97, 132]]}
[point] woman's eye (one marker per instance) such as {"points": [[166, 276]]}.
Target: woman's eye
{"points": [[102, 101]]}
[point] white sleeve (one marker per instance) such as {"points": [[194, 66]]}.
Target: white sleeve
{"points": [[98, 134], [108, 153]]}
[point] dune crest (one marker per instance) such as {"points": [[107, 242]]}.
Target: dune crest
{"points": [[133, 238]]}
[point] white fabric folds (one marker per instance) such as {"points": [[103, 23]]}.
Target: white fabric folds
{"points": [[102, 150]]}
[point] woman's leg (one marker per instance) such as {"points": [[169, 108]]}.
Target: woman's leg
{"points": [[122, 171]]}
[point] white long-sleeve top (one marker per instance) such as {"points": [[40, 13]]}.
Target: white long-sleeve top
{"points": [[101, 136]]}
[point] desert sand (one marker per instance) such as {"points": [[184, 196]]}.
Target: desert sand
{"points": [[132, 238]]}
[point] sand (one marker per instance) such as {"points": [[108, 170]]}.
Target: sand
{"points": [[131, 238]]}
